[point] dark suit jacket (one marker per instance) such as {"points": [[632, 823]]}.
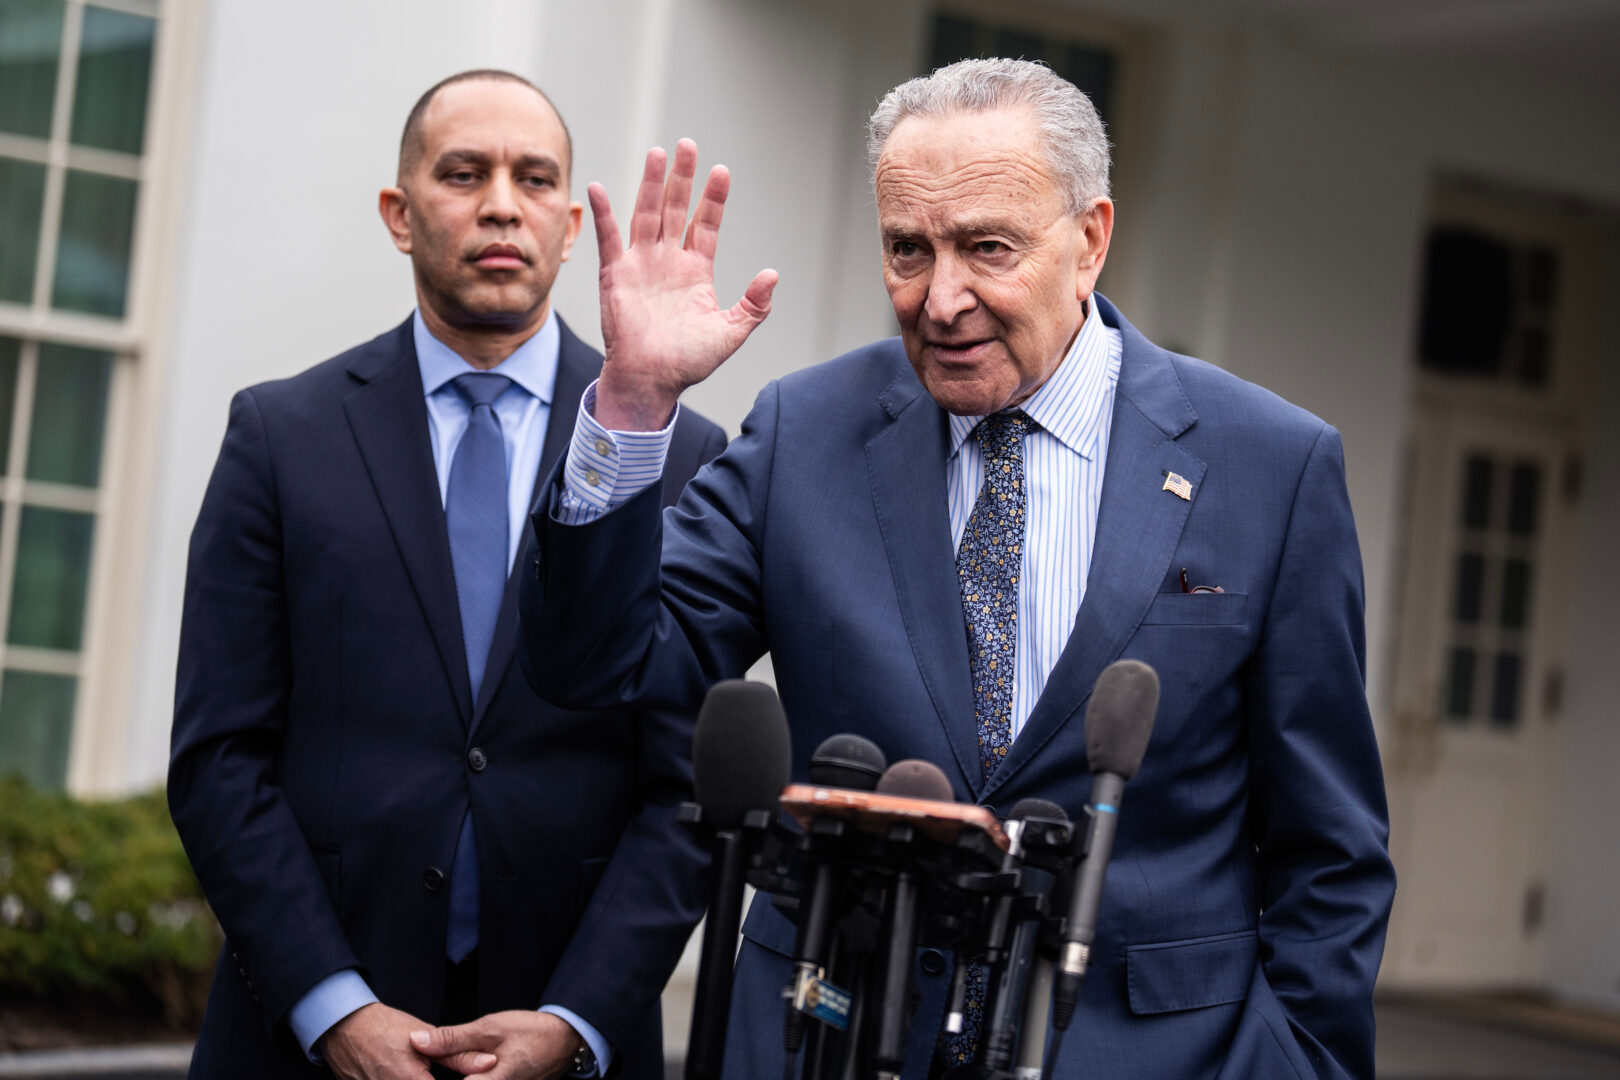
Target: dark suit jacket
{"points": [[1243, 919], [324, 727]]}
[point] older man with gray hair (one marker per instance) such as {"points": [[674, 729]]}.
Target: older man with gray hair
{"points": [[943, 539]]}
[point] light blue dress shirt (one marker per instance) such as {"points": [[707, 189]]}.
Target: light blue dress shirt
{"points": [[1065, 455], [524, 411]]}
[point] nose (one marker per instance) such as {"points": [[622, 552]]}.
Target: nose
{"points": [[500, 205], [950, 290]]}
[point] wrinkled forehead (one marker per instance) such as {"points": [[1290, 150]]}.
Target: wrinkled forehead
{"points": [[953, 171]]}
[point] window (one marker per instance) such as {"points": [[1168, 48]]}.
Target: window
{"points": [[74, 88], [956, 36]]}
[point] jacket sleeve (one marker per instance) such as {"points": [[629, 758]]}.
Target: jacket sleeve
{"points": [[655, 887], [231, 694], [1316, 788], [634, 608]]}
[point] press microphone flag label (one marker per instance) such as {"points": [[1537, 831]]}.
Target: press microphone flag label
{"points": [[821, 1000]]}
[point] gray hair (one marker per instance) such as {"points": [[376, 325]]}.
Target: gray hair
{"points": [[1071, 131]]}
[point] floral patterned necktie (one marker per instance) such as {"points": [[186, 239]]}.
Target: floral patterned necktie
{"points": [[988, 565]]}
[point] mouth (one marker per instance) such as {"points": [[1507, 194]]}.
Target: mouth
{"points": [[501, 257], [960, 351]]}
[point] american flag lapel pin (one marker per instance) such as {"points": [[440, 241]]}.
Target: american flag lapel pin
{"points": [[1178, 484]]}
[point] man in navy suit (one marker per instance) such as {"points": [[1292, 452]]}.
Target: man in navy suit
{"points": [[393, 829], [943, 539]]}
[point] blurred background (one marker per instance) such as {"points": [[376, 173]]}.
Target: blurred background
{"points": [[1403, 215]]}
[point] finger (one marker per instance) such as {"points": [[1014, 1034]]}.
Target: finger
{"points": [[756, 299], [468, 1062], [644, 220], [609, 246], [704, 235], [678, 192], [443, 1041]]}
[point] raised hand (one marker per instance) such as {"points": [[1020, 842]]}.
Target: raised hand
{"points": [[373, 1043], [662, 327]]}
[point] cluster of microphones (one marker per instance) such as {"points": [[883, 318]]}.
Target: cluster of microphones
{"points": [[874, 861]]}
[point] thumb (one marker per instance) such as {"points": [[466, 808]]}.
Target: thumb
{"points": [[442, 1042], [468, 1062]]}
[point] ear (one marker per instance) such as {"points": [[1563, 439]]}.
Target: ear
{"points": [[1096, 231], [576, 214], [392, 207]]}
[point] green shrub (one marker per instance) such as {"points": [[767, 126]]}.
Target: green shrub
{"points": [[98, 901]]}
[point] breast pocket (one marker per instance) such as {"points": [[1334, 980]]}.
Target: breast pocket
{"points": [[1198, 609]]}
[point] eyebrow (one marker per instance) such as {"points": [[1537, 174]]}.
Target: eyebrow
{"points": [[452, 158]]}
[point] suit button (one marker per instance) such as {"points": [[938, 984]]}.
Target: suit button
{"points": [[433, 879], [476, 759], [933, 962]]}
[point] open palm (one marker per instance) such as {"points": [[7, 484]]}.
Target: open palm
{"points": [[662, 327]]}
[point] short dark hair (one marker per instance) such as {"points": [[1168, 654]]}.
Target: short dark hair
{"points": [[410, 140]]}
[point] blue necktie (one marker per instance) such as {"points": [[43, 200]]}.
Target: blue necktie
{"points": [[988, 564], [475, 511]]}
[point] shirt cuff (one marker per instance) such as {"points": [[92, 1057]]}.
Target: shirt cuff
{"points": [[593, 1039], [329, 1001], [606, 469]]}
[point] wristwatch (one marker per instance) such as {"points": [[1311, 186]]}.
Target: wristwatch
{"points": [[584, 1063]]}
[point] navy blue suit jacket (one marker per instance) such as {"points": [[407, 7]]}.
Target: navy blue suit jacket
{"points": [[324, 725], [1245, 909]]}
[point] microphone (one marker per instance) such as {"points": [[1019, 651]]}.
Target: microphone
{"points": [[1014, 932], [842, 761], [741, 759], [910, 779], [1119, 723], [847, 761]]}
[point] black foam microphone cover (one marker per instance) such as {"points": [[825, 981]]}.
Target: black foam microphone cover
{"points": [[847, 761], [1119, 718], [741, 757], [914, 778], [1043, 811]]}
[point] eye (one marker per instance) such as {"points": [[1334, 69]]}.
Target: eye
{"points": [[905, 249], [539, 181], [990, 247], [461, 176]]}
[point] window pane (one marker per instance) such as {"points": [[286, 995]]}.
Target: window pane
{"points": [[10, 350], [1460, 685], [1477, 493], [1505, 691], [1092, 70], [115, 67], [22, 199], [1516, 593], [1470, 587], [1534, 348], [30, 47], [1526, 487], [70, 411], [1011, 41], [36, 722], [953, 40], [92, 259], [53, 573]]}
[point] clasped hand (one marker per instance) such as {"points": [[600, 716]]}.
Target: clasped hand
{"points": [[662, 328], [380, 1043]]}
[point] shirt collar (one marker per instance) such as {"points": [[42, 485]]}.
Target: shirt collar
{"points": [[533, 365], [1069, 404]]}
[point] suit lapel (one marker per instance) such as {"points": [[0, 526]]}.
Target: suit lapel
{"points": [[906, 463], [1139, 525], [577, 365], [388, 416]]}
